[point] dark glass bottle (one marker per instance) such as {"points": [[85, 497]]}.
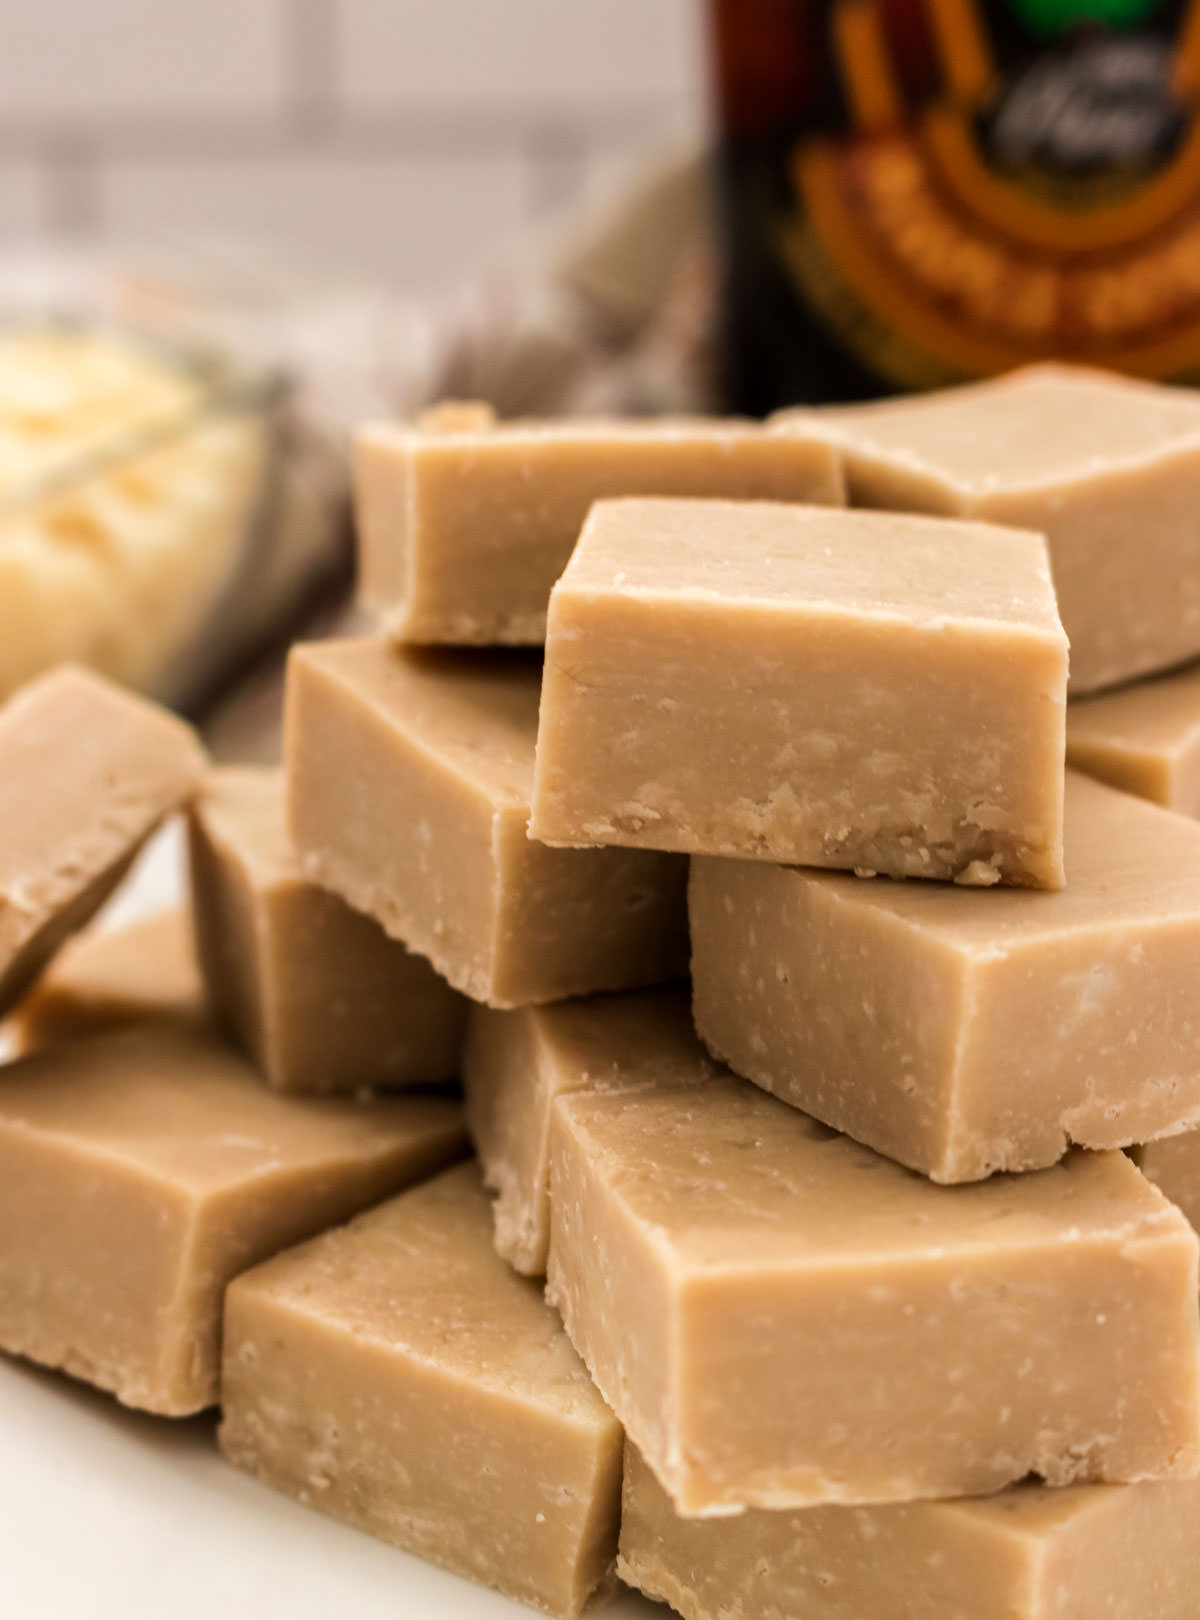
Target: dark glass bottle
{"points": [[918, 192]]}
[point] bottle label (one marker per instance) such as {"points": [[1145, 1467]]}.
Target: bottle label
{"points": [[1009, 181]]}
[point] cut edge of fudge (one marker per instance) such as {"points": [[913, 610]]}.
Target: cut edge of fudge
{"points": [[609, 1243], [488, 1400], [848, 428]]}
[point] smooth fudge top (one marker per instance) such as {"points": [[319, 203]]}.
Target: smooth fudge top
{"points": [[517, 1061], [770, 554], [1030, 1552], [420, 1272], [465, 523], [1128, 862], [1159, 718], [730, 1180], [464, 416], [1034, 428], [144, 971], [620, 1042], [244, 807], [87, 771], [458, 420], [71, 741], [474, 714], [183, 1109]]}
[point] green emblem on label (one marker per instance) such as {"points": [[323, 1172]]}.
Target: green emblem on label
{"points": [[1055, 16]]}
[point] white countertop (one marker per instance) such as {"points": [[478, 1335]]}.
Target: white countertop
{"points": [[108, 1514]]}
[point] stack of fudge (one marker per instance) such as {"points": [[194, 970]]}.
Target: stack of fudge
{"points": [[813, 1237]]}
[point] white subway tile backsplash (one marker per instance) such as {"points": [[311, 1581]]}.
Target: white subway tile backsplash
{"points": [[570, 53], [78, 60], [424, 222], [412, 138]]}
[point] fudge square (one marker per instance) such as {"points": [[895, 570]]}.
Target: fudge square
{"points": [[516, 1063], [464, 523], [782, 1318], [844, 689], [87, 771], [141, 1170], [965, 1033], [1173, 1165], [410, 776], [1128, 1552], [398, 1376], [1144, 739], [316, 993], [1107, 468], [107, 978]]}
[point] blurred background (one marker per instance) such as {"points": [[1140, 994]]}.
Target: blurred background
{"points": [[404, 138], [232, 230]]}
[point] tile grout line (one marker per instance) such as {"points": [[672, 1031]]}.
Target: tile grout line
{"points": [[442, 131]]}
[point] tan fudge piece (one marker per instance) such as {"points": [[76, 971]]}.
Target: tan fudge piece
{"points": [[317, 994], [465, 526], [517, 1062], [453, 416], [141, 1170], [144, 972], [781, 1318], [1144, 739], [843, 689], [87, 771], [1124, 1552], [1106, 467], [398, 1376], [968, 1033], [410, 776], [1174, 1166]]}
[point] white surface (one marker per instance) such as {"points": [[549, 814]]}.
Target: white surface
{"points": [[110, 1515], [107, 1514], [156, 881]]}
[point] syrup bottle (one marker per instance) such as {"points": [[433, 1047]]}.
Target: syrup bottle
{"points": [[920, 192]]}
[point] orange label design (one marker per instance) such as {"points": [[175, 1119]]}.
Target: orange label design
{"points": [[1007, 221]]}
